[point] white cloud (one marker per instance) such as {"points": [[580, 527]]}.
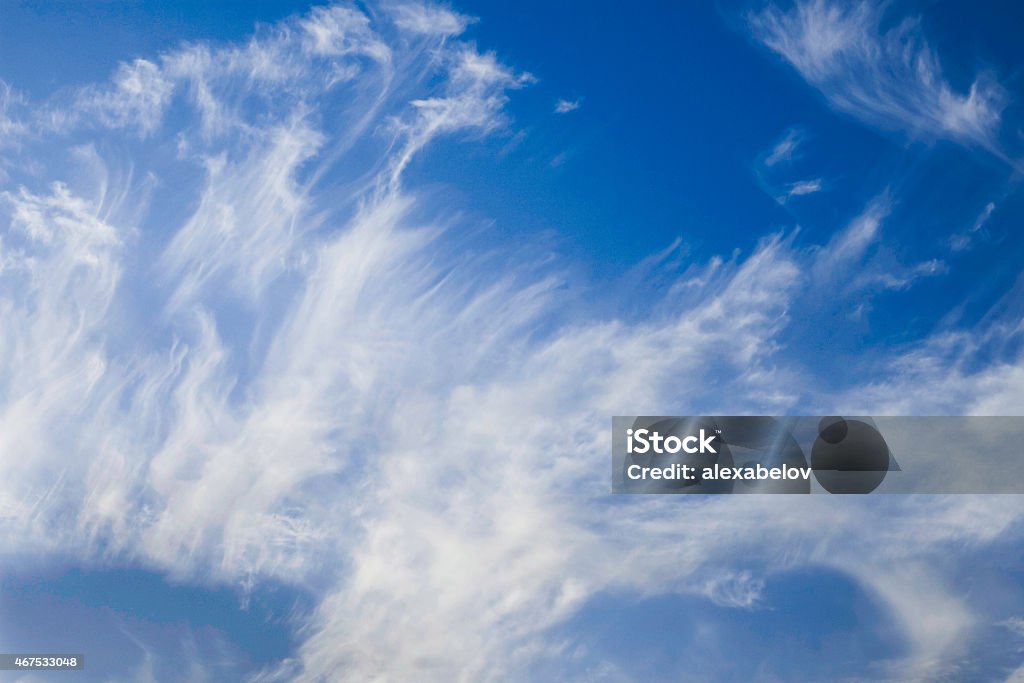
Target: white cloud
{"points": [[566, 106], [983, 218], [136, 98], [249, 218], [802, 188], [12, 126], [1015, 624], [848, 247], [342, 31], [785, 148], [886, 78], [429, 19], [856, 263], [950, 373], [964, 240], [474, 99], [163, 424], [890, 277]]}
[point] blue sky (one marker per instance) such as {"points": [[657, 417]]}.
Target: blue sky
{"points": [[314, 319]]}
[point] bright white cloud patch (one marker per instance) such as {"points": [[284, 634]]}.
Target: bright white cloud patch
{"points": [[428, 19], [239, 349]]}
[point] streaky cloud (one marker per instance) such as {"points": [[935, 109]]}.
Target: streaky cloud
{"points": [[801, 188], [785, 149], [888, 78], [566, 106]]}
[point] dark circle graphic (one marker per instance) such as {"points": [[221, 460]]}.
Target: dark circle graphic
{"points": [[855, 463]]}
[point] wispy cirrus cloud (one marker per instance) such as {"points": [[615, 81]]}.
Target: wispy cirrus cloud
{"points": [[889, 78], [853, 258], [566, 106], [785, 149], [772, 164], [285, 374], [951, 372], [847, 249], [964, 240], [801, 188]]}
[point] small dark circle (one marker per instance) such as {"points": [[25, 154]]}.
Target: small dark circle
{"points": [[832, 429]]}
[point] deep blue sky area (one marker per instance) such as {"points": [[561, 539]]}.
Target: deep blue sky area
{"points": [[816, 613], [78, 611]]}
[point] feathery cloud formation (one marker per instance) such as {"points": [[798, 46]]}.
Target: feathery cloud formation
{"points": [[886, 78], [307, 386]]}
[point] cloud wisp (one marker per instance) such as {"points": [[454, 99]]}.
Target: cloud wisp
{"points": [[889, 78], [566, 106], [785, 149], [801, 188]]}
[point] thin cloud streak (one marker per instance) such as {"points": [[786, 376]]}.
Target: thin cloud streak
{"points": [[801, 189], [785, 149], [566, 106]]}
